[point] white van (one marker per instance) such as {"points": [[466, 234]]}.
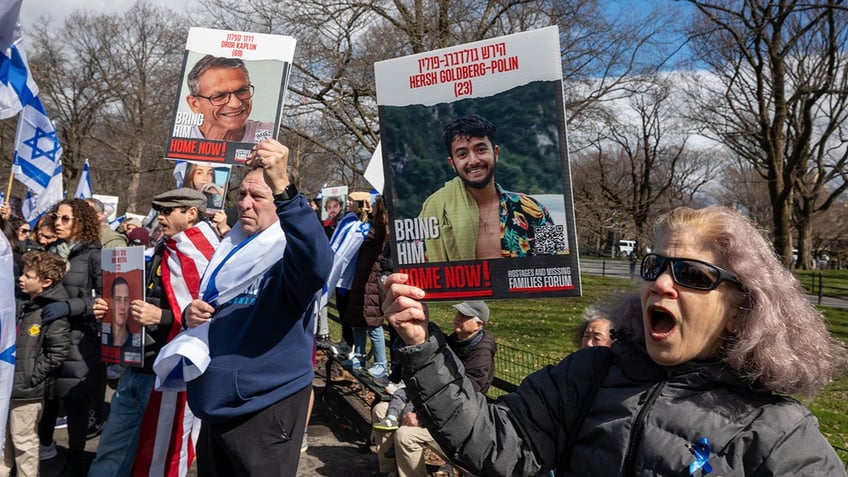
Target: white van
{"points": [[625, 247]]}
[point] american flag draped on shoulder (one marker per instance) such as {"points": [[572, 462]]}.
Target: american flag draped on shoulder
{"points": [[38, 153], [166, 444]]}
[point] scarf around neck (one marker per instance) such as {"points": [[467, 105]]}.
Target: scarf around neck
{"points": [[237, 263]]}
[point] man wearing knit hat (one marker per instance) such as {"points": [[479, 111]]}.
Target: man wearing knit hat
{"points": [[141, 422]]}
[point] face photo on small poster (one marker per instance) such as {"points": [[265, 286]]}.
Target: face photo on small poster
{"points": [[110, 206], [211, 179], [333, 201], [122, 337]]}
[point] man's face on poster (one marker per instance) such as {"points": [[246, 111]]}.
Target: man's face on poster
{"points": [[230, 91], [474, 159], [120, 305], [333, 207]]}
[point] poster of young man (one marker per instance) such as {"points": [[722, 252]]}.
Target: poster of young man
{"points": [[476, 166], [231, 95], [333, 201], [121, 337], [211, 179]]}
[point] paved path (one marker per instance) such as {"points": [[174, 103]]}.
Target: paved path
{"points": [[337, 437]]}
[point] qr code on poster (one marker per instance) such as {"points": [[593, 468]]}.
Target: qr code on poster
{"points": [[550, 240], [262, 134]]}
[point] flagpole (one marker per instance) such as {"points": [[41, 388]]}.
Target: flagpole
{"points": [[9, 187]]}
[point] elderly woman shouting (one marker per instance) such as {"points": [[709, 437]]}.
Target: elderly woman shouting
{"points": [[696, 383]]}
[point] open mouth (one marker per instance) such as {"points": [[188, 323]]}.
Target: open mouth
{"points": [[661, 323]]}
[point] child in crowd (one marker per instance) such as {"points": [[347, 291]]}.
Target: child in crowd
{"points": [[398, 406], [41, 347], [387, 420]]}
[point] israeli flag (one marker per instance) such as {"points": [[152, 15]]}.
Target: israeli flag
{"points": [[38, 154], [179, 172], [345, 243], [38, 157], [37, 150], [7, 331], [84, 185], [16, 86]]}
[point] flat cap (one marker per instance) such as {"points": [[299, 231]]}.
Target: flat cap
{"points": [[182, 197], [477, 309]]}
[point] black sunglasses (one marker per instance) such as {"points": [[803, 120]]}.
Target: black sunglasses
{"points": [[168, 210], [687, 272]]}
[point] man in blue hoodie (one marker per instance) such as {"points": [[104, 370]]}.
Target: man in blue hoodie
{"points": [[256, 316]]}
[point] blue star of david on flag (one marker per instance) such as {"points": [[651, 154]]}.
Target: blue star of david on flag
{"points": [[49, 147], [38, 151]]}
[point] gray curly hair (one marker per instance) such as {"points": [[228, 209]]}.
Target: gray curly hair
{"points": [[781, 341]]}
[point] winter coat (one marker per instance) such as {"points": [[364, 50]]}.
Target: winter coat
{"points": [[363, 299], [478, 356], [644, 420], [262, 341], [82, 282], [110, 238], [40, 348]]}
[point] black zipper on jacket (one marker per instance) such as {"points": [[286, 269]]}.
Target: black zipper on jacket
{"points": [[636, 433]]}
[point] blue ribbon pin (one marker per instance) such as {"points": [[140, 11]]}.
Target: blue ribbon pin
{"points": [[701, 449]]}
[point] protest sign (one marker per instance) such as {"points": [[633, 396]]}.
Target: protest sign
{"points": [[333, 201], [122, 338], [231, 95], [483, 209], [212, 180]]}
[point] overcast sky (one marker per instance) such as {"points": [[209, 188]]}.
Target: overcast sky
{"points": [[32, 10]]}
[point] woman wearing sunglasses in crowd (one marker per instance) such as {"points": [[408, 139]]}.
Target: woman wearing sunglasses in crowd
{"points": [[79, 379], [697, 383]]}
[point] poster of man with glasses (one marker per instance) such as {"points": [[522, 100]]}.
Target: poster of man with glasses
{"points": [[231, 94]]}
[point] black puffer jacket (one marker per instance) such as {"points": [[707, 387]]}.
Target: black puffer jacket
{"points": [[83, 283], [645, 420], [40, 348]]}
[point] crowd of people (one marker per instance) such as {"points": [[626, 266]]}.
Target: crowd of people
{"points": [[199, 266], [693, 374]]}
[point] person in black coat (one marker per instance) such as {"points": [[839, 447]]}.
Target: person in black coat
{"points": [[80, 383], [40, 348]]}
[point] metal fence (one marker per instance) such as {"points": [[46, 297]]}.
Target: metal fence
{"points": [[512, 365], [827, 288]]}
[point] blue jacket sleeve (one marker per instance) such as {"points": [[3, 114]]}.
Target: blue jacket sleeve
{"points": [[308, 256]]}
